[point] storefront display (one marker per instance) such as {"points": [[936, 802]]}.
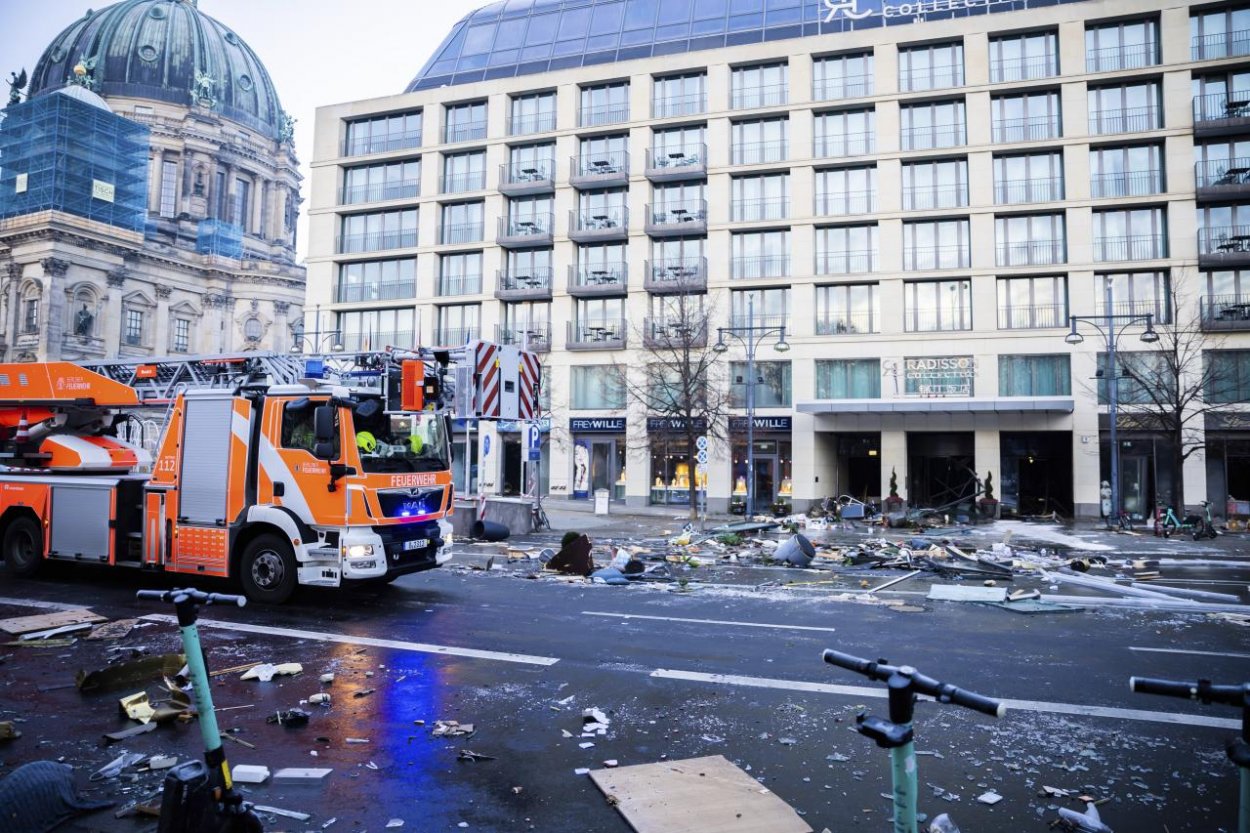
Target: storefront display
{"points": [[672, 463], [598, 456], [773, 461]]}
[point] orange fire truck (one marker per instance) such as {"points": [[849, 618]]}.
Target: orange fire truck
{"points": [[274, 470]]}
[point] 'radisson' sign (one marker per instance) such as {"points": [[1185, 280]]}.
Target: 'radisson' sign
{"points": [[918, 10]]}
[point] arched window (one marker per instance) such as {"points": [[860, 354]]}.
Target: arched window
{"points": [[253, 329], [31, 300]]}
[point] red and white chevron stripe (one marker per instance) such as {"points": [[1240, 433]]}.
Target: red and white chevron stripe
{"points": [[531, 374], [489, 376]]}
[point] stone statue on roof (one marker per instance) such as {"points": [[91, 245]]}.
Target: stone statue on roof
{"points": [[17, 83]]}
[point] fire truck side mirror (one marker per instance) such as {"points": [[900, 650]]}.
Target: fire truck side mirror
{"points": [[323, 424]]}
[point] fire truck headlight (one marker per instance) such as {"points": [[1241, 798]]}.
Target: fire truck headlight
{"points": [[359, 550]]}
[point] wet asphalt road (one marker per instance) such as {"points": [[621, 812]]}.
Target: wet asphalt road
{"points": [[558, 647]]}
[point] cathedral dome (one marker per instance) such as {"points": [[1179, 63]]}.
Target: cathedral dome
{"points": [[163, 50]]}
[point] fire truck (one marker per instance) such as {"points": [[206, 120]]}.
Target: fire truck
{"points": [[271, 470]]}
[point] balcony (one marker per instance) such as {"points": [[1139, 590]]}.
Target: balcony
{"points": [[1221, 114], [760, 266], [603, 114], [769, 95], [1031, 253], [596, 335], [954, 256], [525, 232], [1023, 69], [462, 183], [759, 210], [601, 170], [1126, 184], [455, 336], [452, 285], [931, 137], [936, 197], [531, 123], [844, 144], [1156, 307], [598, 280], [1031, 129], [528, 285], [377, 241], [599, 225], [679, 105], [366, 145], [1042, 189], [847, 323], [845, 86], [1125, 120], [840, 203], [846, 263], [381, 192], [536, 337], [1220, 45], [527, 178], [676, 276], [677, 219], [677, 164], [661, 334], [1035, 317], [1220, 246], [464, 132], [759, 319], [1223, 179], [1130, 247], [1225, 312], [355, 293], [1113, 58], [457, 234]]}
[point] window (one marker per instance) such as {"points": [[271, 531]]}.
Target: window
{"points": [[398, 131], [936, 124], [220, 198], [375, 183], [532, 163], [599, 320], [535, 315], [765, 85], [1032, 303], [1125, 108], [1218, 225], [679, 95], [1142, 378], [842, 76], [602, 210], [771, 385], [1031, 240], [377, 280], [848, 378], [936, 244], [30, 315], [377, 329], [1135, 293], [846, 309], [1225, 286], [758, 198], [1035, 375], [299, 427], [240, 211], [937, 184], [1227, 376], [846, 250], [1124, 45], [930, 67], [759, 307], [603, 155], [761, 254], [846, 191], [531, 263], [1221, 33], [182, 335], [845, 133], [169, 189], [458, 323], [682, 202], [1030, 117], [1024, 57], [378, 231], [1214, 161], [133, 331], [462, 222], [1216, 96], [760, 141], [464, 172], [253, 329], [931, 306], [530, 215], [603, 264], [465, 122], [1130, 234], [1126, 171], [532, 113], [604, 104], [460, 274], [597, 387], [679, 147], [1031, 177]]}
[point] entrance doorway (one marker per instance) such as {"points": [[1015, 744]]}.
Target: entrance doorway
{"points": [[859, 466], [512, 478], [1036, 472], [765, 482], [940, 470]]}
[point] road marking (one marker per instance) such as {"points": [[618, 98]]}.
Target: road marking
{"points": [[1193, 653], [319, 636], [36, 603], [1022, 705], [707, 621]]}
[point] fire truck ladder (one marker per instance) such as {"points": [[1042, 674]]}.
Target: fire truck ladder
{"points": [[158, 380]]}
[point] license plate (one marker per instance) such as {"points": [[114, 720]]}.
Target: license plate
{"points": [[416, 544]]}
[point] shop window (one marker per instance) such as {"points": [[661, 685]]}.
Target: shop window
{"points": [[672, 470]]}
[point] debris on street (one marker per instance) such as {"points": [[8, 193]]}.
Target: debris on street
{"points": [[267, 671]]}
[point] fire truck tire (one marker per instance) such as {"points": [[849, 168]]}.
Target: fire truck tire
{"points": [[23, 546], [268, 570]]}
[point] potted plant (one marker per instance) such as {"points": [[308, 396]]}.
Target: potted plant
{"points": [[893, 502], [989, 503]]}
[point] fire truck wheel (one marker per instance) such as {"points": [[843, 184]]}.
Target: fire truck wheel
{"points": [[23, 547], [268, 570]]}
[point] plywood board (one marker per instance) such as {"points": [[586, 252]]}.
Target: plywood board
{"points": [[698, 795], [964, 593], [47, 621]]}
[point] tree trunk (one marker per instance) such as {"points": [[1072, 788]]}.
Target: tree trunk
{"points": [[1178, 461]]}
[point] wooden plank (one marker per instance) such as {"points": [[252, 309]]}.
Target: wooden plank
{"points": [[964, 593], [47, 621], [698, 795]]}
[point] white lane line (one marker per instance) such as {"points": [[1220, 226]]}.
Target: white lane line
{"points": [[1193, 653], [36, 603], [1022, 705], [706, 621], [319, 636]]}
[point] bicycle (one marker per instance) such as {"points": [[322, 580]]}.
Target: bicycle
{"points": [[538, 517], [896, 734], [1123, 522], [1166, 522], [1200, 526]]}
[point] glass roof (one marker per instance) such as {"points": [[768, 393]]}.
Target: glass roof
{"points": [[522, 37]]}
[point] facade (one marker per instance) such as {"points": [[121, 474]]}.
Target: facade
{"points": [[148, 194], [922, 194]]}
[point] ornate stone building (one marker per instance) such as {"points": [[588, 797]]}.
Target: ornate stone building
{"points": [[202, 257]]}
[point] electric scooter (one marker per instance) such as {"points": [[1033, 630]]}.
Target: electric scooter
{"points": [[896, 734], [200, 797]]}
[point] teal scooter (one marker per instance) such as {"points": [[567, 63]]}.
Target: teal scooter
{"points": [[200, 797], [896, 734]]}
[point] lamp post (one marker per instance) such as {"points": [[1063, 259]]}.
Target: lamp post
{"points": [[751, 336], [1112, 326], [317, 338]]}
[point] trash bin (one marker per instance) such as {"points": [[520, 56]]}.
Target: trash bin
{"points": [[601, 501]]}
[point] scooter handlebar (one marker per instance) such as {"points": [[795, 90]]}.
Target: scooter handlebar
{"points": [[190, 594], [1204, 691], [942, 692]]}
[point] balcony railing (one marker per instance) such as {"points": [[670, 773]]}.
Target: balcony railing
{"points": [[760, 266], [1158, 308], [1130, 247], [1225, 312], [759, 153], [677, 218], [953, 256], [1028, 129], [464, 131], [1041, 189], [749, 211], [457, 233], [381, 192], [1023, 69], [525, 231], [1030, 253], [605, 223], [596, 335], [932, 136], [839, 203], [759, 319], [845, 86], [1126, 120], [534, 337], [1036, 317], [454, 336], [524, 284], [459, 284], [1224, 244], [531, 123], [365, 145], [1221, 110], [1221, 45], [940, 196], [674, 163], [522, 178], [351, 293], [377, 241], [599, 170], [459, 183], [676, 275], [679, 105], [596, 279], [845, 144], [846, 263], [603, 114], [1223, 177], [768, 95], [1113, 58], [931, 78], [847, 323], [674, 335], [1126, 184], [940, 319], [355, 342]]}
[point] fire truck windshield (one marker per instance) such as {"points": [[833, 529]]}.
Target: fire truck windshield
{"points": [[401, 442]]}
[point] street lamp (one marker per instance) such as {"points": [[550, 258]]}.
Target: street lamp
{"points": [[1109, 331], [316, 338], [751, 336]]}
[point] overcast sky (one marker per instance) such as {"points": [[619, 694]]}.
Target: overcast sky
{"points": [[318, 51]]}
